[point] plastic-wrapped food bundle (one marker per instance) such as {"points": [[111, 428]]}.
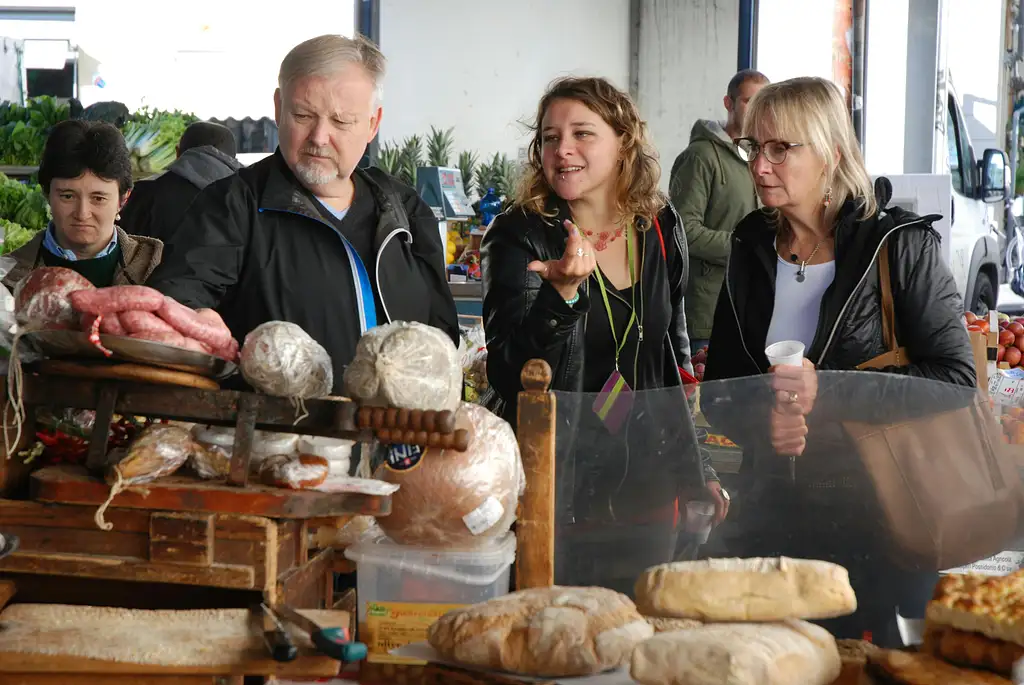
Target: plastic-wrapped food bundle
{"points": [[215, 446], [281, 359], [42, 300], [337, 452], [455, 499], [293, 471], [406, 365], [159, 451]]}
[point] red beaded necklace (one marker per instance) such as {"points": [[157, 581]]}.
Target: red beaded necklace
{"points": [[603, 237]]}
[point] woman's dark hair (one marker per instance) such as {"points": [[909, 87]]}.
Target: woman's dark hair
{"points": [[76, 146]]}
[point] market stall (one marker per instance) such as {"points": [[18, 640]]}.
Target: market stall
{"points": [[139, 486]]}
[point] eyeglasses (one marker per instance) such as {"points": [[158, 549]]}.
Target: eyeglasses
{"points": [[775, 151]]}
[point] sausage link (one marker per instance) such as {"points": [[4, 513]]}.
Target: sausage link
{"points": [[173, 339], [109, 325], [117, 298], [144, 322], [191, 325]]}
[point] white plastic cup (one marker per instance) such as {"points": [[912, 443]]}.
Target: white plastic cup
{"points": [[785, 353], [699, 516]]}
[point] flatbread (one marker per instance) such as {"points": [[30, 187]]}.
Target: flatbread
{"points": [[204, 637]]}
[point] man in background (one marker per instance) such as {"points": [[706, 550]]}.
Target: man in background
{"points": [[206, 153], [712, 189]]}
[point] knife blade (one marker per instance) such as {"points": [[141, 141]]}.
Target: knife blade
{"points": [[332, 642], [275, 635]]}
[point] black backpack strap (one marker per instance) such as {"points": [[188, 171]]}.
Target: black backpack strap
{"points": [[392, 200]]}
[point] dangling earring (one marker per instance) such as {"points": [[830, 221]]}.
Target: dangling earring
{"points": [[828, 197], [118, 217]]}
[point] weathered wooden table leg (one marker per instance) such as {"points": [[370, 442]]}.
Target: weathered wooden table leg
{"points": [[245, 430], [96, 459], [535, 526]]}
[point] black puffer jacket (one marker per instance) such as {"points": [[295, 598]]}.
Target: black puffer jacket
{"points": [[928, 311], [525, 318]]}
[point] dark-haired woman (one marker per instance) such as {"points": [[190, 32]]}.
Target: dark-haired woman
{"points": [[86, 173]]}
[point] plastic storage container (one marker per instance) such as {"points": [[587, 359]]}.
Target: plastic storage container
{"points": [[402, 590]]}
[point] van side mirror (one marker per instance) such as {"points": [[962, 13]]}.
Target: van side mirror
{"points": [[994, 168]]}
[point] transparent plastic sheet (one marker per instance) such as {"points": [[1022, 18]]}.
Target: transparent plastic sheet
{"points": [[158, 451], [616, 508], [455, 500]]}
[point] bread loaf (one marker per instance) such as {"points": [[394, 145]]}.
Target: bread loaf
{"points": [[667, 625], [787, 653], [455, 499], [552, 632], [769, 589]]}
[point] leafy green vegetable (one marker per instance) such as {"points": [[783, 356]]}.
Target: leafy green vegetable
{"points": [[15, 235], [23, 130], [152, 137], [23, 212]]}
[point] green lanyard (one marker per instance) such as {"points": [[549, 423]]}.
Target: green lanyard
{"points": [[608, 304]]}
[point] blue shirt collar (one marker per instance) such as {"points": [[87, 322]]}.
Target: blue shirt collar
{"points": [[51, 245]]}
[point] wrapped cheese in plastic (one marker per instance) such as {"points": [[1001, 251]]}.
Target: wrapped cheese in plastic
{"points": [[280, 359], [293, 471], [158, 451], [42, 299], [407, 365], [455, 500], [214, 446]]}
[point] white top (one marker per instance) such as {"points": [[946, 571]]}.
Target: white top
{"points": [[797, 305]]}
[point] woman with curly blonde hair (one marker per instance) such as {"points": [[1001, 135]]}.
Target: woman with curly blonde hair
{"points": [[587, 271]]}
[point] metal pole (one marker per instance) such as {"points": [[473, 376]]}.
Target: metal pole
{"points": [[747, 39], [368, 24], [858, 82]]}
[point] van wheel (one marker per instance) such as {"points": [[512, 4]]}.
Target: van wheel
{"points": [[984, 298]]}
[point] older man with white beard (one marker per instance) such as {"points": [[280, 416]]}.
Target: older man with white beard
{"points": [[304, 236]]}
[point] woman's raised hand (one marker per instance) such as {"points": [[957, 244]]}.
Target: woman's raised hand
{"points": [[575, 266]]}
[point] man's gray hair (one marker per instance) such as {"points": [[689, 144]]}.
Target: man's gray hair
{"points": [[325, 55]]}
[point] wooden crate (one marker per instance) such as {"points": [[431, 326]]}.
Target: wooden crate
{"points": [[230, 551]]}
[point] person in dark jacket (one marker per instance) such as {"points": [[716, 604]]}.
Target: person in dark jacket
{"points": [[206, 153], [805, 268], [303, 236], [587, 270], [86, 173]]}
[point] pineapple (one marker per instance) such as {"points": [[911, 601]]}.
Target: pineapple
{"points": [[388, 158], [440, 145], [468, 166], [410, 159]]}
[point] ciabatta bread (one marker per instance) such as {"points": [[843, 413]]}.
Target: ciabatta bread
{"points": [[746, 590], [787, 653], [551, 631], [990, 605]]}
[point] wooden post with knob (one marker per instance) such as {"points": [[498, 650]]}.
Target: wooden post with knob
{"points": [[535, 526]]}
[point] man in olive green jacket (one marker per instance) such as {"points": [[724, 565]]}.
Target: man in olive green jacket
{"points": [[712, 189]]}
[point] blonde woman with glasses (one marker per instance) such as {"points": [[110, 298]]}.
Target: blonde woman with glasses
{"points": [[805, 267]]}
